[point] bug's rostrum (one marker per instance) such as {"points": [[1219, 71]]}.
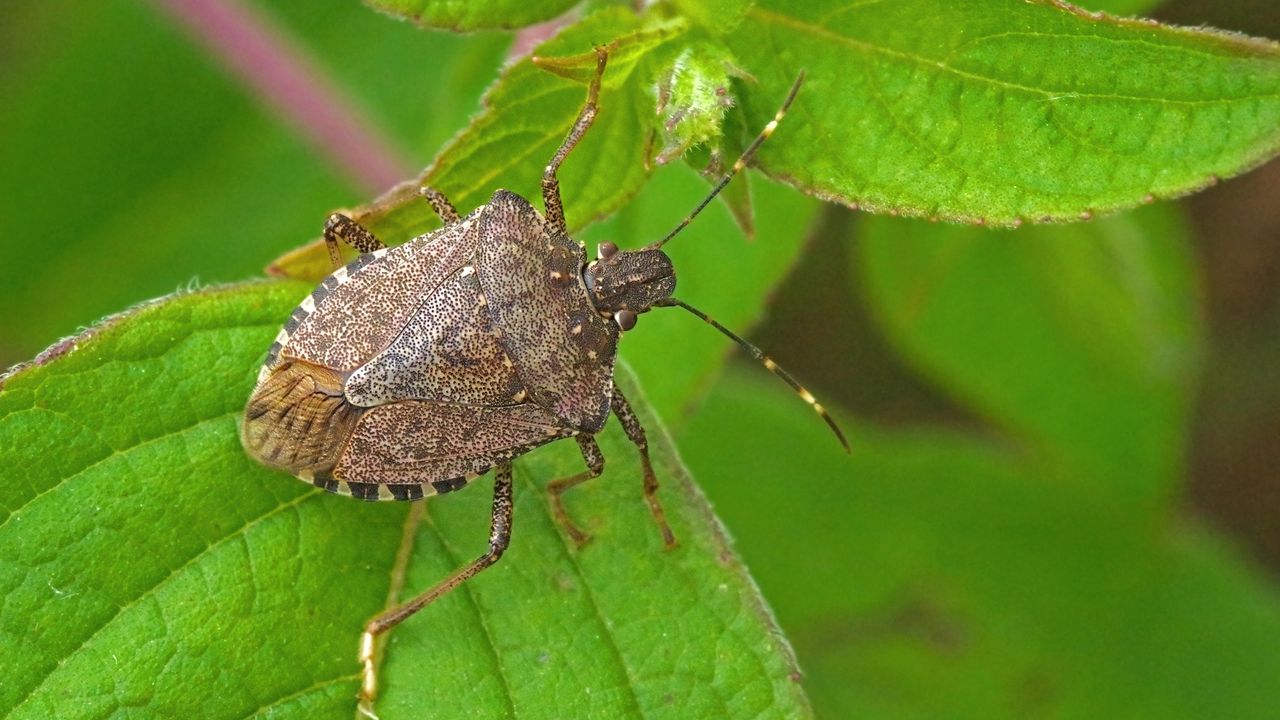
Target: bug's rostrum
{"points": [[632, 280]]}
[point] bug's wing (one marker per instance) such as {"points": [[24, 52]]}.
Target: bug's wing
{"points": [[448, 352], [441, 444], [360, 308], [296, 419], [563, 350]]}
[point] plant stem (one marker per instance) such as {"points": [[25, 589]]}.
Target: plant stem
{"points": [[289, 80]]}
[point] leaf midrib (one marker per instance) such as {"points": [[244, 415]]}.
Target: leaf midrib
{"points": [[468, 592], [606, 629], [868, 48]]}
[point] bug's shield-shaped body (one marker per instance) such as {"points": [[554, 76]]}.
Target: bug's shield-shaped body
{"points": [[415, 369]]}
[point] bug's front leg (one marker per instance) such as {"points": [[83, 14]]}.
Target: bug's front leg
{"points": [[499, 538], [555, 489], [635, 431], [439, 203], [551, 185], [341, 227]]}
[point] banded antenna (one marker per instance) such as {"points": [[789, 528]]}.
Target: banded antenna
{"points": [[755, 352], [769, 365], [742, 161]]}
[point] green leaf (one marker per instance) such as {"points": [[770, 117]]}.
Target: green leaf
{"points": [[933, 575], [717, 16], [1081, 341], [1121, 7], [149, 568], [1002, 111], [528, 113], [693, 97], [473, 14]]}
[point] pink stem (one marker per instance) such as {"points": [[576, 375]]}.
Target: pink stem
{"points": [[289, 80]]}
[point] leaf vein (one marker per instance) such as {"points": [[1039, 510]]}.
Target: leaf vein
{"points": [[872, 49], [151, 590], [474, 603], [318, 685], [606, 630], [110, 456]]}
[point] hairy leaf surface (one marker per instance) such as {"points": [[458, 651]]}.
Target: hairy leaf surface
{"points": [[473, 14], [1004, 111]]}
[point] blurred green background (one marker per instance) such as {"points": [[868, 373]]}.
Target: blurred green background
{"points": [[1064, 493]]}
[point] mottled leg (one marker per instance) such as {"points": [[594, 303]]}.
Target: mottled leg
{"points": [[550, 185], [341, 227], [445, 209], [595, 466], [499, 537], [635, 431]]}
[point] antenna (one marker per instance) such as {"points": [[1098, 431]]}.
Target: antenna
{"points": [[768, 363], [742, 161]]}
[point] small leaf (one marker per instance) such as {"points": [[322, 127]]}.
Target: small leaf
{"points": [[149, 568], [473, 14], [693, 96], [1001, 111], [1092, 364], [528, 113], [736, 196]]}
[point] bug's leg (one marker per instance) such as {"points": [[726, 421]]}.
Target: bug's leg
{"points": [[340, 227], [550, 185], [499, 537], [555, 489], [444, 209], [635, 431]]}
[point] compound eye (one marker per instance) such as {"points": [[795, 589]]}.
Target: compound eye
{"points": [[607, 250], [625, 319]]}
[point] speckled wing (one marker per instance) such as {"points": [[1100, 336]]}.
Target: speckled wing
{"points": [[357, 311], [449, 351], [563, 350], [439, 446]]}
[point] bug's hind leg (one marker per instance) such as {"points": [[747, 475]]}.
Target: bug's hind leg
{"points": [[438, 202], [499, 537], [340, 227], [595, 466], [551, 185], [635, 431]]}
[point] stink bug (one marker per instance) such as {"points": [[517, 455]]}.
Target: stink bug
{"points": [[414, 370]]}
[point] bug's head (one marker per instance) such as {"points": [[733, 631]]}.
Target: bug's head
{"points": [[628, 283]]}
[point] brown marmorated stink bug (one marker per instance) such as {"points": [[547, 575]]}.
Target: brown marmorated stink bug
{"points": [[413, 370]]}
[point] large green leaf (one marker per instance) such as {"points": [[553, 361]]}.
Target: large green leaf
{"points": [[1082, 341], [473, 14], [934, 575], [148, 567], [1002, 111]]}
